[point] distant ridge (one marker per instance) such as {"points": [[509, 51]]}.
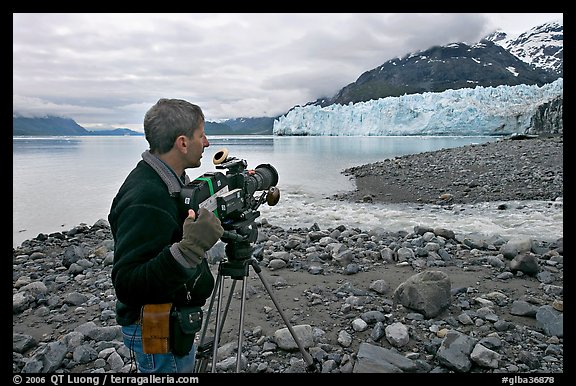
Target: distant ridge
{"points": [[241, 126], [49, 125], [121, 131], [58, 126]]}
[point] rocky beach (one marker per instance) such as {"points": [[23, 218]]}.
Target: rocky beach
{"points": [[359, 300]]}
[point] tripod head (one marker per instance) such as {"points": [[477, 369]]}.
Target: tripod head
{"points": [[239, 237], [241, 230]]}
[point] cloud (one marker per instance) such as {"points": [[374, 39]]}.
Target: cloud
{"points": [[108, 69]]}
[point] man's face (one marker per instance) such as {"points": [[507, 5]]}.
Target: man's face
{"points": [[196, 145]]}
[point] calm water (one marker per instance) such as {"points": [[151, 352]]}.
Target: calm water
{"points": [[60, 182]]}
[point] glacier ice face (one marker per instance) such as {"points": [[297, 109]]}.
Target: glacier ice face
{"points": [[501, 110]]}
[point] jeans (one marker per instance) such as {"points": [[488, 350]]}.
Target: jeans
{"points": [[156, 363]]}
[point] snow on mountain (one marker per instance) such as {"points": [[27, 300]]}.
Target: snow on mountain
{"points": [[501, 110], [542, 46]]}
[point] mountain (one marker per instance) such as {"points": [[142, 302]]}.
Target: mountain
{"points": [[441, 68], [241, 126], [542, 46], [119, 131], [534, 58], [49, 125], [58, 126]]}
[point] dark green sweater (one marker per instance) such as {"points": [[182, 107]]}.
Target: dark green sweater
{"points": [[145, 221]]}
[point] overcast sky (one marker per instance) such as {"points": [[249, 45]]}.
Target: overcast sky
{"points": [[105, 70]]}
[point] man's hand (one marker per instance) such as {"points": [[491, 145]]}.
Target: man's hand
{"points": [[199, 235]]}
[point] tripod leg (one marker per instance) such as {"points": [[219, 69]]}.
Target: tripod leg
{"points": [[228, 301], [305, 354], [218, 325], [203, 346], [241, 327], [221, 317], [209, 311]]}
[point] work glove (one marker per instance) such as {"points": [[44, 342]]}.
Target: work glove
{"points": [[199, 236]]}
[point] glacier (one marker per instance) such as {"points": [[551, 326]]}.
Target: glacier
{"points": [[501, 110]]}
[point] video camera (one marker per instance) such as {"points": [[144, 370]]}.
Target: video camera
{"points": [[231, 196]]}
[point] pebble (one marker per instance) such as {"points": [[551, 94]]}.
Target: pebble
{"points": [[63, 303]]}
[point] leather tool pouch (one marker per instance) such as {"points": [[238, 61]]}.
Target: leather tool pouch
{"points": [[156, 328], [185, 322], [167, 328]]}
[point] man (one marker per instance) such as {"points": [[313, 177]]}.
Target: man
{"points": [[159, 252]]}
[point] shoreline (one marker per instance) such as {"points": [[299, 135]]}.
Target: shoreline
{"points": [[503, 170]]}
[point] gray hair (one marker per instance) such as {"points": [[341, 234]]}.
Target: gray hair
{"points": [[167, 120]]}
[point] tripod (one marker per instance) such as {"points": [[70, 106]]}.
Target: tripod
{"points": [[237, 267]]}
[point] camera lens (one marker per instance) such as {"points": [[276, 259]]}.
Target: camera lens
{"points": [[264, 177]]}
